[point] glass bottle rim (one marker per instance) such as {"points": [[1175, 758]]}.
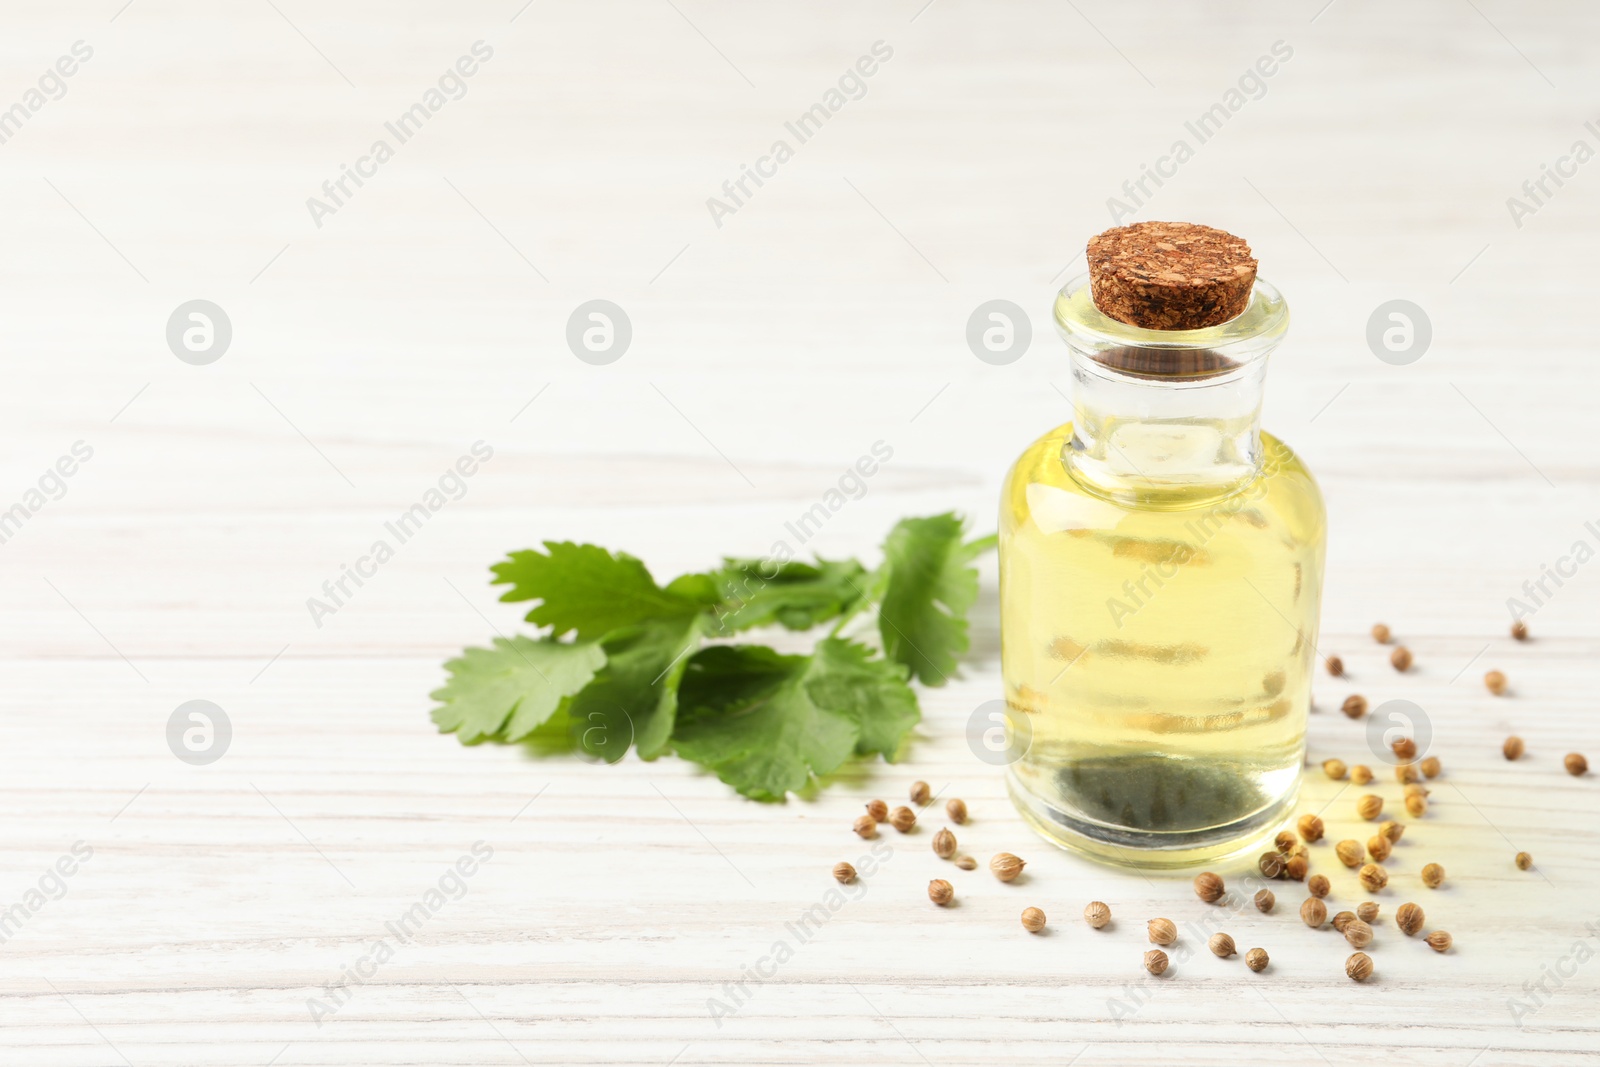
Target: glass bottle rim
{"points": [[1254, 331]]}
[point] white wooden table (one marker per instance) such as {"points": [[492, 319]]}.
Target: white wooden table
{"points": [[826, 313]]}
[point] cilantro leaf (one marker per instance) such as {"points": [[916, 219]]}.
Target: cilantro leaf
{"points": [[633, 700], [797, 596], [699, 588], [766, 723], [927, 588], [509, 690], [586, 590], [872, 691], [635, 674], [749, 718]]}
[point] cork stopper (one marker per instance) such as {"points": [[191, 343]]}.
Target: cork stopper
{"points": [[1170, 275]]}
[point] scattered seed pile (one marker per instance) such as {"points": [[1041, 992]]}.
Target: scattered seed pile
{"points": [[1288, 860]]}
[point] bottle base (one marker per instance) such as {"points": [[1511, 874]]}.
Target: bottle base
{"points": [[1149, 850]]}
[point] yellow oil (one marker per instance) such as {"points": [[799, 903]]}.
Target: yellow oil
{"points": [[1158, 647]]}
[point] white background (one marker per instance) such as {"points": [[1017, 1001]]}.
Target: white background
{"points": [[768, 354]]}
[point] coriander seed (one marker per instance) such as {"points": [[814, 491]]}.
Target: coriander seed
{"points": [[1096, 914], [1416, 805], [1410, 918], [878, 810], [956, 808], [1430, 767], [1354, 706], [1374, 877], [1006, 867], [1433, 876], [1334, 768], [1360, 774], [1032, 920], [1297, 867], [1209, 887], [1368, 912], [843, 872], [1359, 967], [1496, 682], [1370, 806], [1271, 864], [966, 863], [1576, 765], [1406, 773], [1221, 945], [1524, 861], [1285, 841], [1265, 901], [1513, 748], [1155, 961], [1379, 847], [1392, 830], [1310, 827], [1519, 630], [1335, 666], [1404, 748], [1380, 633], [1439, 941], [1400, 659], [1417, 789], [1349, 852], [1313, 912], [1318, 885], [866, 826], [920, 793], [941, 892], [944, 844], [1343, 919], [1358, 933], [1256, 959], [903, 819], [1162, 931]]}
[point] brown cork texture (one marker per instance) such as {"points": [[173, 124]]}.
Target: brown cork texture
{"points": [[1170, 275]]}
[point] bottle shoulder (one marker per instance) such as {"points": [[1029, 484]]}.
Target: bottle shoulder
{"points": [[1040, 478], [1281, 462]]}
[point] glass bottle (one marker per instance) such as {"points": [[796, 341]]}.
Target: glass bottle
{"points": [[1160, 583]]}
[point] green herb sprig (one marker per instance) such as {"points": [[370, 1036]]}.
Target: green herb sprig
{"points": [[626, 663]]}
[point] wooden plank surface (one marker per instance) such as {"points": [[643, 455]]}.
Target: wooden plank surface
{"points": [[825, 314]]}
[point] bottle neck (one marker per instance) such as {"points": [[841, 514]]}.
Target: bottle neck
{"points": [[1167, 418], [1154, 438]]}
